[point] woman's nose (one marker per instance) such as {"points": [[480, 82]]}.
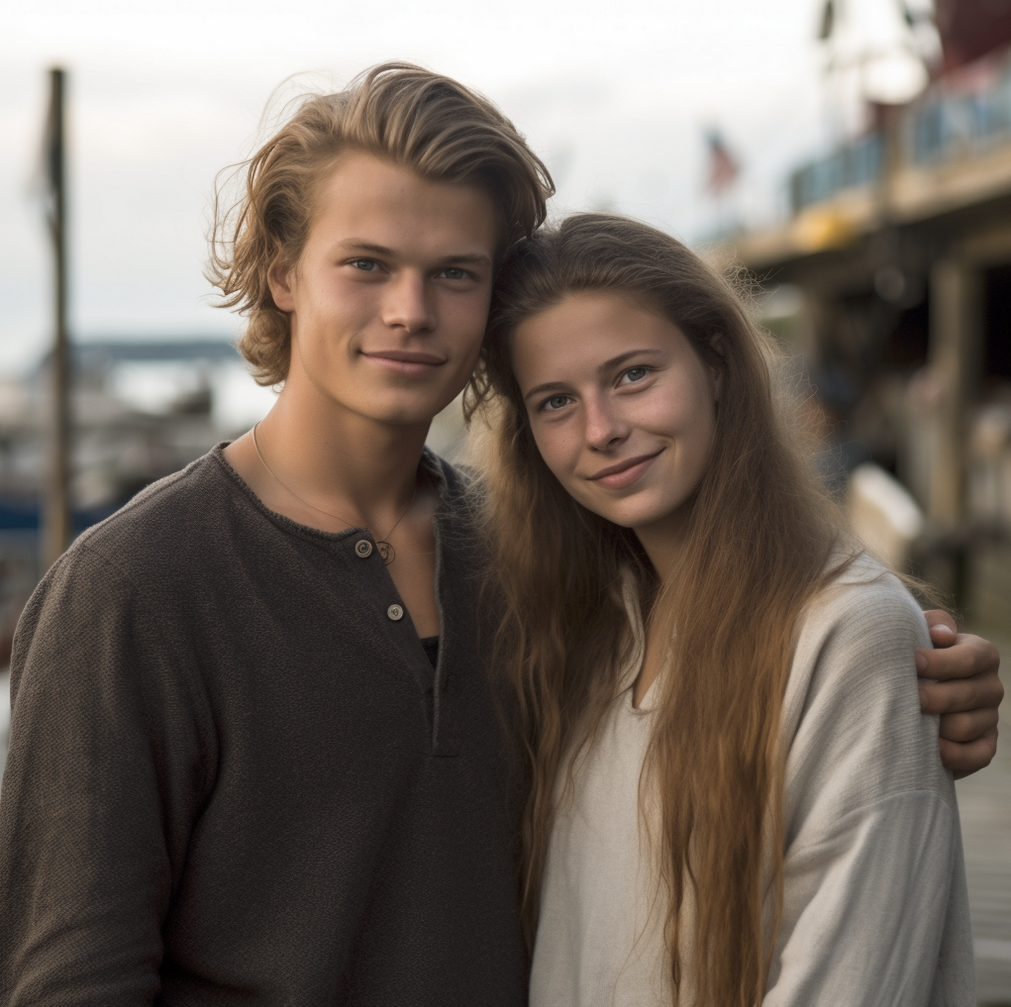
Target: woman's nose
{"points": [[605, 427]]}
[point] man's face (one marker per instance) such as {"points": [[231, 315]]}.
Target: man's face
{"points": [[389, 300]]}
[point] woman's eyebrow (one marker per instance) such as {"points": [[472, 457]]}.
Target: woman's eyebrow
{"points": [[549, 386], [607, 365]]}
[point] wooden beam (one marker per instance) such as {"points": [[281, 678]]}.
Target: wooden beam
{"points": [[956, 301]]}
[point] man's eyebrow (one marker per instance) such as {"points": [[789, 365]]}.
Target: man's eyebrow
{"points": [[607, 365], [357, 245], [469, 258]]}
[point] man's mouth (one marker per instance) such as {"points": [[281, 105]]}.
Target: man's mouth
{"points": [[405, 361]]}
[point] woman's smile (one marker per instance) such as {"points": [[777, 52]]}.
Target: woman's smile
{"points": [[621, 406], [626, 472]]}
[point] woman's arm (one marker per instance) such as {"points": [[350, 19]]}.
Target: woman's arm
{"points": [[959, 681], [875, 906]]}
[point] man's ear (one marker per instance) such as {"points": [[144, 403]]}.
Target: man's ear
{"points": [[280, 279]]}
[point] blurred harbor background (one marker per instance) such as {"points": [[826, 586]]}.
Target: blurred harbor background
{"points": [[853, 155]]}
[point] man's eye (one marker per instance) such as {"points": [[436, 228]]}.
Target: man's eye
{"points": [[365, 265], [454, 273]]}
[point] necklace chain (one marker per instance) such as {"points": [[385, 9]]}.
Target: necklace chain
{"points": [[386, 550]]}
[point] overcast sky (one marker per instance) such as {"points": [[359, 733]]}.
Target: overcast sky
{"points": [[614, 95]]}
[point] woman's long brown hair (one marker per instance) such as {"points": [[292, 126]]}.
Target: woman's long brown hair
{"points": [[760, 538]]}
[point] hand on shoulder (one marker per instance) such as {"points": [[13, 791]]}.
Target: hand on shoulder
{"points": [[959, 680]]}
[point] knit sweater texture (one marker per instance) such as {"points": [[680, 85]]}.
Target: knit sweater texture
{"points": [[236, 778]]}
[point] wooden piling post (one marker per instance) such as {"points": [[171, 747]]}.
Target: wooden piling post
{"points": [[56, 510]]}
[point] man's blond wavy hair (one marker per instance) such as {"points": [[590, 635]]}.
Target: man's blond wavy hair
{"points": [[412, 117]]}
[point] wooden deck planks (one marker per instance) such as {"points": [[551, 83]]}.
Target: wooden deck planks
{"points": [[984, 802]]}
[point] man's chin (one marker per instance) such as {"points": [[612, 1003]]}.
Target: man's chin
{"points": [[407, 414]]}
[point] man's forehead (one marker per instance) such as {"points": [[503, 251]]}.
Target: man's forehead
{"points": [[359, 176], [383, 208]]}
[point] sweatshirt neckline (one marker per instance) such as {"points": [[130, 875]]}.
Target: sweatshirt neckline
{"points": [[430, 463]]}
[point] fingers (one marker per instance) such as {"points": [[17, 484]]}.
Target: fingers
{"points": [[965, 759], [968, 655], [968, 727], [983, 691], [943, 629], [965, 690]]}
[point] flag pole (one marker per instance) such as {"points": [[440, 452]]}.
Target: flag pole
{"points": [[56, 530]]}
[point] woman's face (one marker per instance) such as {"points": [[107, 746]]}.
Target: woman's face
{"points": [[621, 407]]}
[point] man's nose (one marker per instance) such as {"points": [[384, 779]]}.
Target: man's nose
{"points": [[408, 303]]}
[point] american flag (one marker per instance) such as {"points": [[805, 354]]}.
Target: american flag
{"points": [[723, 166]]}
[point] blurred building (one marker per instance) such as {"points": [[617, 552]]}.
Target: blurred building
{"points": [[899, 245], [140, 409]]}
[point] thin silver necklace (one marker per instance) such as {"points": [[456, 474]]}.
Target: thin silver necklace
{"points": [[386, 550]]}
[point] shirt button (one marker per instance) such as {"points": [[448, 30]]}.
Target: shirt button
{"points": [[395, 612], [364, 548]]}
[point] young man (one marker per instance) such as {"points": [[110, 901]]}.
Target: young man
{"points": [[255, 757]]}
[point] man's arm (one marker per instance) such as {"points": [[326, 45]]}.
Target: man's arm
{"points": [[103, 781], [959, 681]]}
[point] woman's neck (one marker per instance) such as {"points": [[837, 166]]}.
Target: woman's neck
{"points": [[663, 542]]}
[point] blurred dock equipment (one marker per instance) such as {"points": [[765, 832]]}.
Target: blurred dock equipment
{"points": [[898, 245], [883, 515], [57, 531]]}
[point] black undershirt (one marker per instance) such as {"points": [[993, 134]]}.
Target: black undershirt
{"points": [[431, 645]]}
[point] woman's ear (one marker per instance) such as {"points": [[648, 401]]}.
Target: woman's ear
{"points": [[719, 347], [280, 279]]}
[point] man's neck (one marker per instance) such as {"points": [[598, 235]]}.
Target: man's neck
{"points": [[316, 456], [333, 451]]}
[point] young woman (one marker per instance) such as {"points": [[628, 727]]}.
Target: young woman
{"points": [[735, 797]]}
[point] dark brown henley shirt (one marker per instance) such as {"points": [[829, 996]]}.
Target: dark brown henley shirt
{"points": [[235, 778]]}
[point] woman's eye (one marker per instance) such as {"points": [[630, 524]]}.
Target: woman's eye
{"points": [[634, 374], [454, 273], [555, 402], [365, 265]]}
